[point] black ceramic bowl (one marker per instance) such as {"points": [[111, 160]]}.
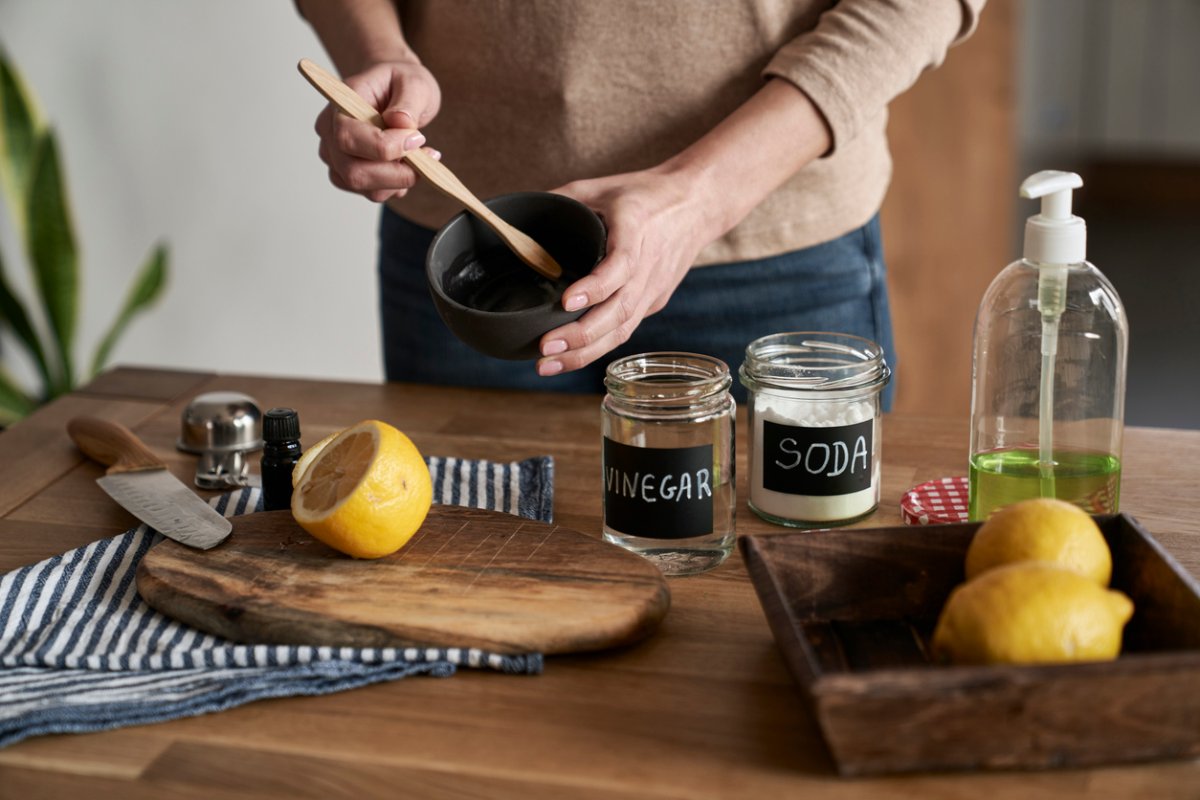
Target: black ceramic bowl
{"points": [[488, 297]]}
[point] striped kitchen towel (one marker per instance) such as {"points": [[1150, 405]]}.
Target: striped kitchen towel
{"points": [[80, 651]]}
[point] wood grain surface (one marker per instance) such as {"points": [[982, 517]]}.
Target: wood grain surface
{"points": [[468, 578], [704, 708]]}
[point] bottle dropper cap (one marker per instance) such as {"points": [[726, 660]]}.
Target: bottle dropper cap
{"points": [[281, 424], [1055, 236]]}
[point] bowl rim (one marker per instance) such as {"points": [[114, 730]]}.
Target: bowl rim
{"points": [[550, 306]]}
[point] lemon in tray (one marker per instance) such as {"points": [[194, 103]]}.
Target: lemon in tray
{"points": [[1041, 529], [364, 491], [1036, 591], [1031, 612]]}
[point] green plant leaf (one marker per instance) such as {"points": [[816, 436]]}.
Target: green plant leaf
{"points": [[13, 314], [53, 256], [147, 288], [20, 128], [32, 180], [14, 403]]}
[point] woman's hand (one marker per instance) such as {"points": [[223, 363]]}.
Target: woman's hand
{"points": [[661, 218], [366, 160], [657, 225]]}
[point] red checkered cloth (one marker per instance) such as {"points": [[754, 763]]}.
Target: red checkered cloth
{"points": [[935, 502]]}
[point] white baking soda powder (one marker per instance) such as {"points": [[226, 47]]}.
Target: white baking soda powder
{"points": [[814, 461], [813, 399]]}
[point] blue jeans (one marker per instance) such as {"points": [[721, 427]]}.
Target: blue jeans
{"points": [[717, 310]]}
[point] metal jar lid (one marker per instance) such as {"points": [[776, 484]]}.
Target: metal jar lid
{"points": [[833, 365], [221, 422], [934, 502]]}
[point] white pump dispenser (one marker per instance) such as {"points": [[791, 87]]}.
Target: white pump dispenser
{"points": [[1054, 236]]}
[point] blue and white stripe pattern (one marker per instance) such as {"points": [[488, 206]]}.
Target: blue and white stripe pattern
{"points": [[80, 651], [524, 488]]}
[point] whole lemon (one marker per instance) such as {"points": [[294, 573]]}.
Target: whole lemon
{"points": [[365, 492], [1031, 612], [1041, 529]]}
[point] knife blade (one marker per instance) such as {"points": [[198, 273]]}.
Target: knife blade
{"points": [[141, 484]]}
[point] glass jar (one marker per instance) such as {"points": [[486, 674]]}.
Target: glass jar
{"points": [[668, 459], [815, 443]]}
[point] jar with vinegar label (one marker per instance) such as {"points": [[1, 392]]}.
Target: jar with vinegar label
{"points": [[668, 459]]}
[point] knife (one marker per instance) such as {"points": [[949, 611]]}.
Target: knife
{"points": [[140, 482]]}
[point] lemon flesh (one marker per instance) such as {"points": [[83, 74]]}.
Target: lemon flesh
{"points": [[1041, 529], [308, 456], [365, 492], [1031, 613]]}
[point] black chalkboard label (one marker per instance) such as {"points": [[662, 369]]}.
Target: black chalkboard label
{"points": [[658, 492], [817, 461]]}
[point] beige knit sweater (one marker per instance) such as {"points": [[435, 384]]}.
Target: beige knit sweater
{"points": [[537, 93]]}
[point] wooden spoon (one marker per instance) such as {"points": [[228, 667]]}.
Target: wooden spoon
{"points": [[434, 171]]}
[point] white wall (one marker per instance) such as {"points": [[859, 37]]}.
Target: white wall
{"points": [[187, 121]]}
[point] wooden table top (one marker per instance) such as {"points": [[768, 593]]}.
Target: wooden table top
{"points": [[704, 708]]}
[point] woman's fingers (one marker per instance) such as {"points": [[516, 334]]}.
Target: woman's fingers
{"points": [[645, 263], [603, 328], [602, 283], [406, 95], [610, 310], [364, 140], [361, 175], [365, 159], [378, 181]]}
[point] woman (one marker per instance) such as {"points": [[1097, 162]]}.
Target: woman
{"points": [[736, 151]]}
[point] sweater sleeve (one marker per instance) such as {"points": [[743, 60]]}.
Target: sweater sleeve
{"points": [[863, 53]]}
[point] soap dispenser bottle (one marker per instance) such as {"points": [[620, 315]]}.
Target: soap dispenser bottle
{"points": [[1048, 374]]}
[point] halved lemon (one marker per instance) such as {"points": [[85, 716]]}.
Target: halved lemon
{"points": [[365, 492]]}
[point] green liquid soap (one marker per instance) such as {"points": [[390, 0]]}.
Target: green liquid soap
{"points": [[998, 478]]}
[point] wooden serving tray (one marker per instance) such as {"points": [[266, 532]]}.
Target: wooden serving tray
{"points": [[853, 612]]}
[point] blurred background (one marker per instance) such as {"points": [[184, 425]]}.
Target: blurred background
{"points": [[187, 123]]}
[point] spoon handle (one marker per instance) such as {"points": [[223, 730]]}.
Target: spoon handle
{"points": [[437, 173]]}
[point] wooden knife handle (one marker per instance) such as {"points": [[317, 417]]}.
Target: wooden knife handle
{"points": [[112, 444]]}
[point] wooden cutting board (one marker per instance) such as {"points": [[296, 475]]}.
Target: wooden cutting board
{"points": [[468, 578]]}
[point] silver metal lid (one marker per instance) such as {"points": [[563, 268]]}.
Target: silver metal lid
{"points": [[221, 422]]}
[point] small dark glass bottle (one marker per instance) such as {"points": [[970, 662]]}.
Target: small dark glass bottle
{"points": [[281, 451]]}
